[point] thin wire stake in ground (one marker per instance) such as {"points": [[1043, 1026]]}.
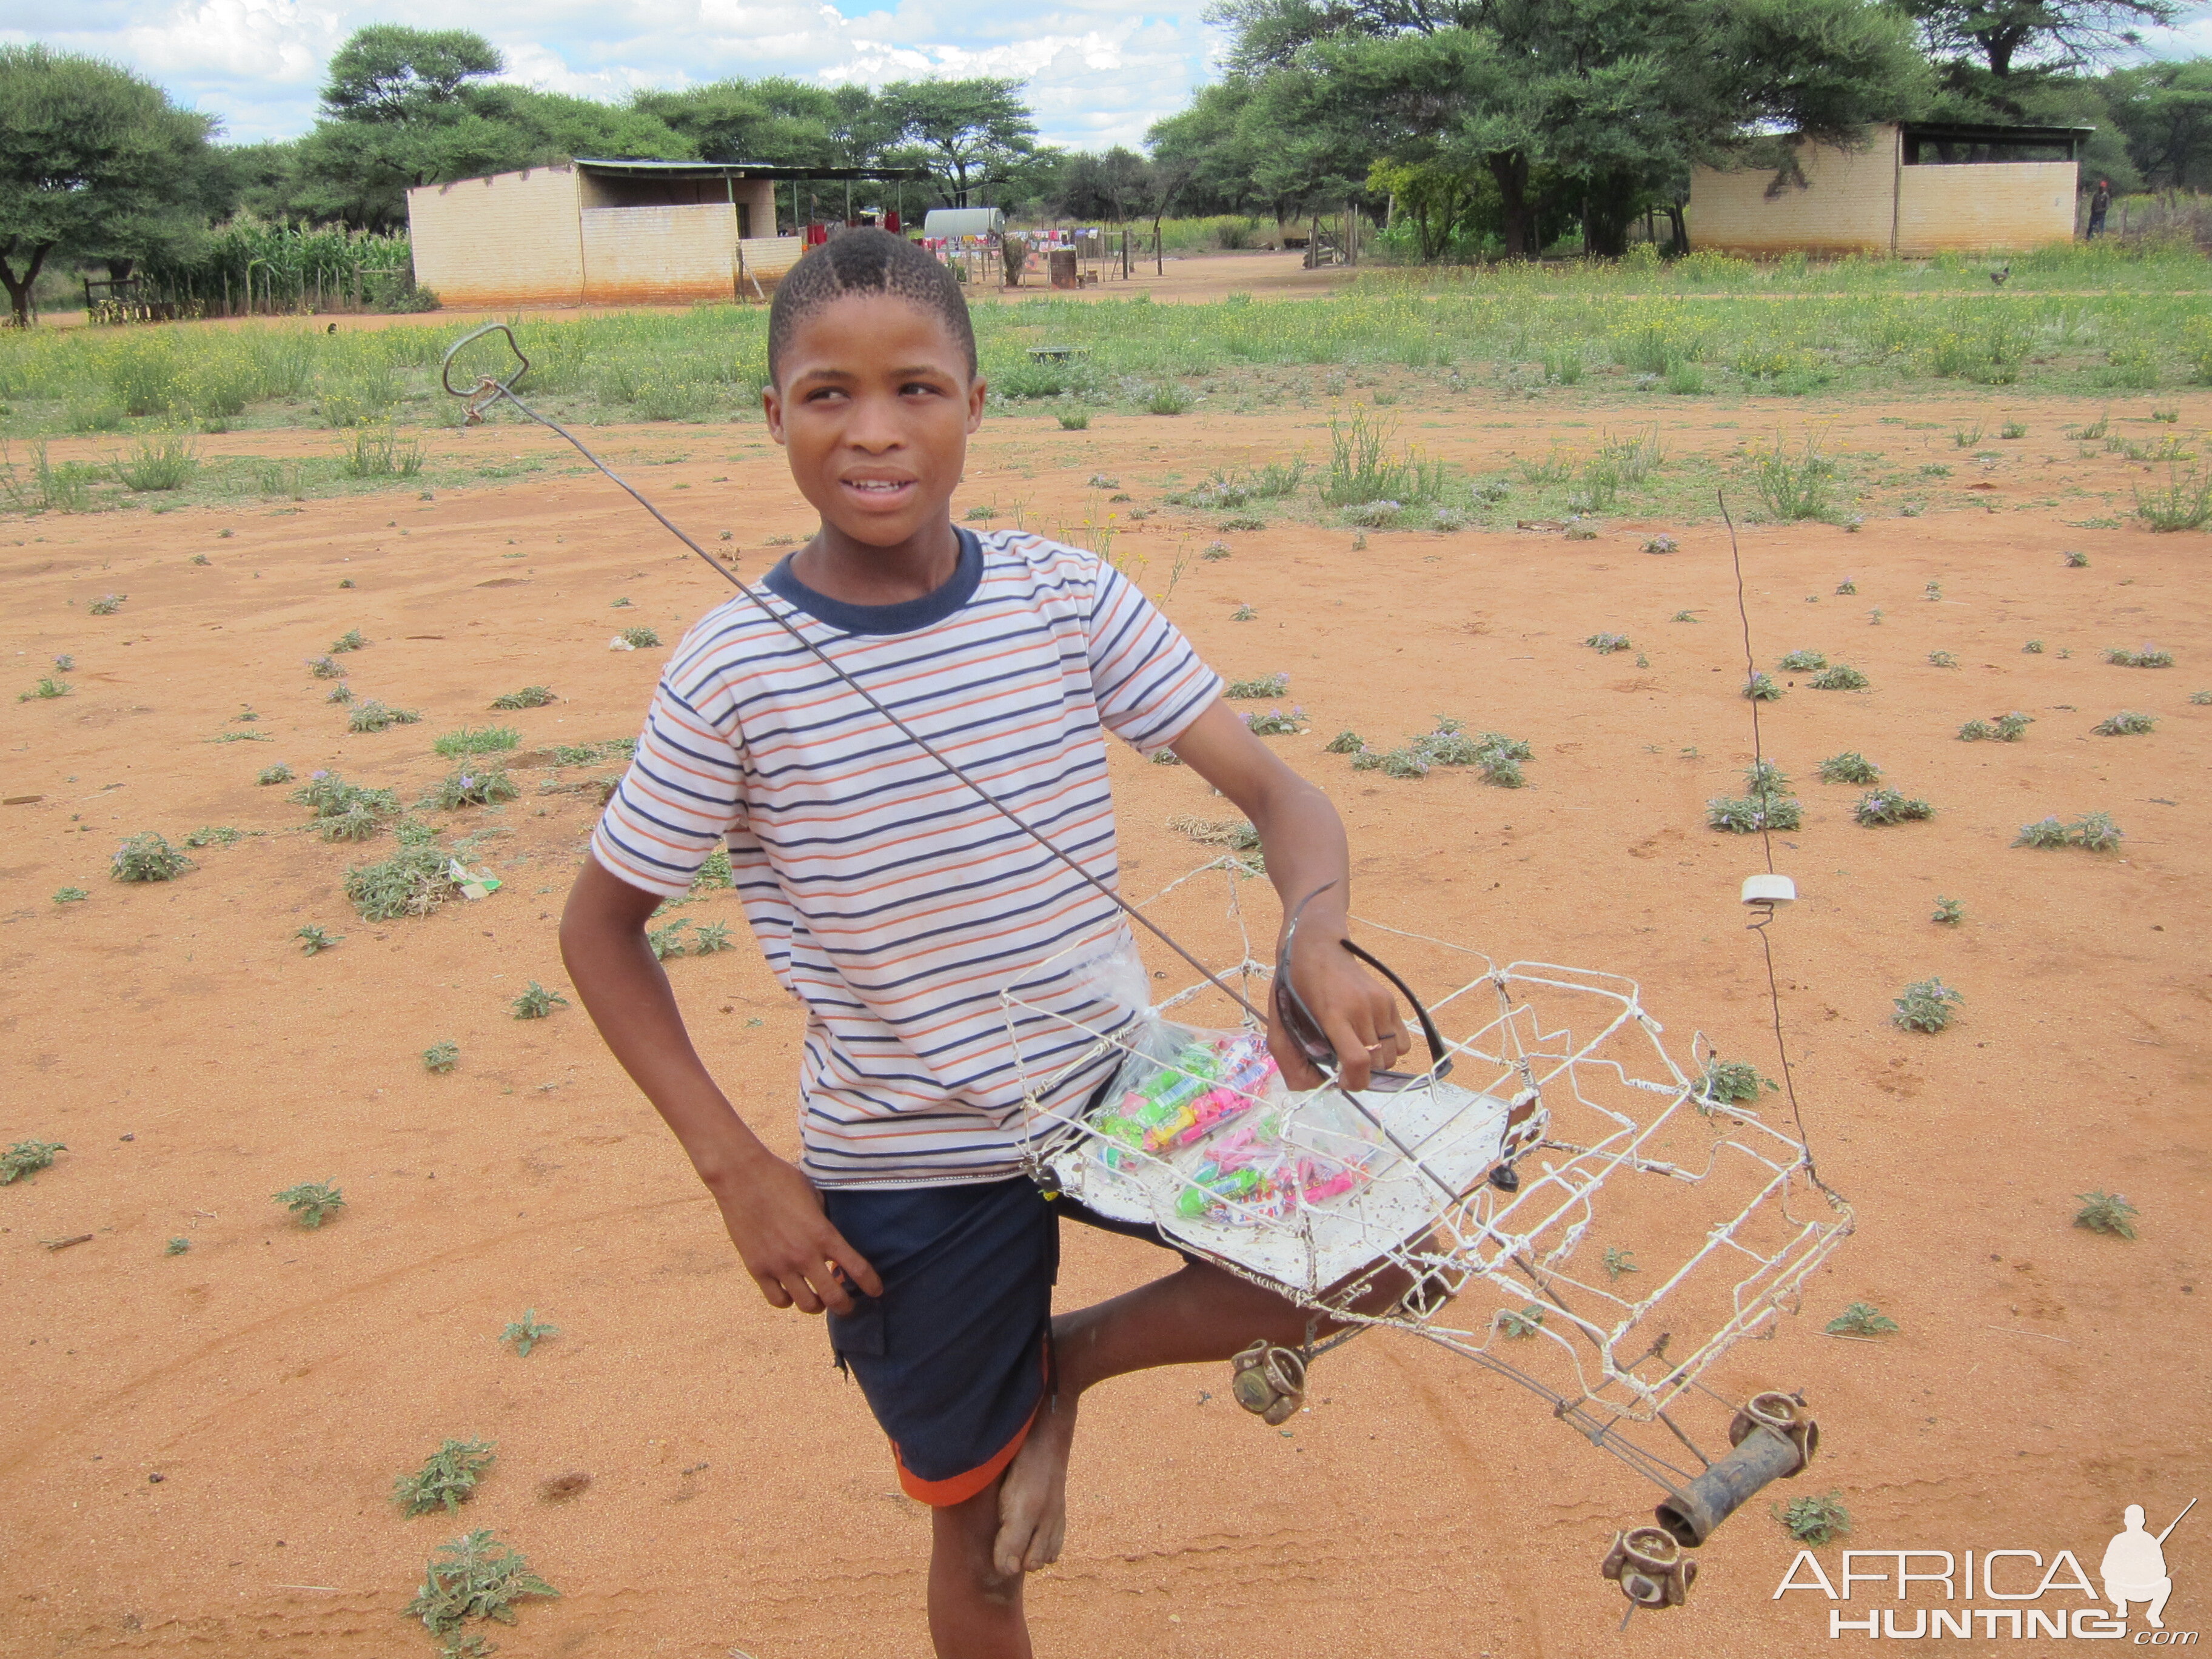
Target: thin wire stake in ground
{"points": [[490, 389]]}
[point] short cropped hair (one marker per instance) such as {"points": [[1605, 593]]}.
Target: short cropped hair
{"points": [[861, 261]]}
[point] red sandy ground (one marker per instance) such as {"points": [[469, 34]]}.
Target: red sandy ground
{"points": [[740, 1500]]}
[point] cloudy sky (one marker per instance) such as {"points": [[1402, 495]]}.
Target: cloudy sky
{"points": [[1099, 71]]}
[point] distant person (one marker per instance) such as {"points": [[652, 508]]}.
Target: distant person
{"points": [[2134, 1569], [894, 903], [2100, 203]]}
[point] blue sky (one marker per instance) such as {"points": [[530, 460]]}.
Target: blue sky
{"points": [[1099, 71]]}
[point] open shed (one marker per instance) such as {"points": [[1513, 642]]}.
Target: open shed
{"points": [[1915, 187], [610, 232]]}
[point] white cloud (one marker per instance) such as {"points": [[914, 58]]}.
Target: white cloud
{"points": [[1099, 71]]}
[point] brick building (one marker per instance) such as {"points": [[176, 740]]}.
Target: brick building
{"points": [[1914, 188], [610, 232]]}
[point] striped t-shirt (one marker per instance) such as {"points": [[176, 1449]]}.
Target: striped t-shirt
{"points": [[887, 898]]}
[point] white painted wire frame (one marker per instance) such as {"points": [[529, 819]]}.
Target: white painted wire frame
{"points": [[1696, 1201]]}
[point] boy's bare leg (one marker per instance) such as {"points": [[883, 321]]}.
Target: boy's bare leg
{"points": [[975, 1610], [1201, 1313]]}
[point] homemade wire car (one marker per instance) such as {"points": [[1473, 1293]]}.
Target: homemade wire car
{"points": [[1571, 1209]]}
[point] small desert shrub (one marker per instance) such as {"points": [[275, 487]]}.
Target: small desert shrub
{"points": [[715, 873], [2183, 502], [2106, 1213], [149, 857], [1977, 732], [413, 882], [1817, 1520], [2126, 724], [530, 696], [46, 688], [312, 1202], [641, 638], [163, 463], [379, 452], [348, 641], [26, 1159], [2149, 657], [2076, 560], [326, 668], [1879, 806], [1373, 515], [1760, 689], [1942, 659], [1794, 487], [314, 940], [279, 773], [1925, 1005], [2096, 831], [1661, 544], [2200, 698], [1235, 834], [1729, 1083], [441, 1057], [477, 741], [343, 810], [2012, 728], [477, 787], [1523, 1325], [710, 937], [1268, 685], [1949, 911], [338, 694], [1862, 1319], [373, 717], [1605, 644], [1747, 814], [445, 1481], [663, 942], [70, 894], [215, 835], [107, 605], [473, 1578], [1244, 613], [1275, 723], [526, 1333], [1074, 420], [537, 1002], [2044, 832], [1802, 662], [1344, 743], [1168, 399]]}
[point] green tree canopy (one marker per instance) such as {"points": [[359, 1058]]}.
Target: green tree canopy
{"points": [[1598, 105], [968, 133], [94, 163], [1983, 40], [405, 107]]}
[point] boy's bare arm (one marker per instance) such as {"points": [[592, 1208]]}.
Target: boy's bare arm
{"points": [[1304, 841], [772, 1210]]}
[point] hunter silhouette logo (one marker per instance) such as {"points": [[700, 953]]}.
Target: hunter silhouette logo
{"points": [[2134, 1567]]}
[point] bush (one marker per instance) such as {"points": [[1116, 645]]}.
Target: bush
{"points": [[1925, 1005], [373, 717], [1850, 767], [1841, 677], [413, 882], [1891, 807], [149, 857]]}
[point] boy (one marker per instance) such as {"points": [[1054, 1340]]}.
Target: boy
{"points": [[895, 903]]}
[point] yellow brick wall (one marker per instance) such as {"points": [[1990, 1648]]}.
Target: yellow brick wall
{"points": [[1984, 207], [653, 255], [1844, 207], [511, 238]]}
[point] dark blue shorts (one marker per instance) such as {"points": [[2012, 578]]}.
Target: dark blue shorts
{"points": [[954, 1357]]}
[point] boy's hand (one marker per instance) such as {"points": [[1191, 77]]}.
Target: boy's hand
{"points": [[797, 1258], [1360, 1014]]}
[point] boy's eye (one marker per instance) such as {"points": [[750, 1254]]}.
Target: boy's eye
{"points": [[918, 385]]}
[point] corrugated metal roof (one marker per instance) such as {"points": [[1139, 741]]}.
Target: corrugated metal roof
{"points": [[649, 169]]}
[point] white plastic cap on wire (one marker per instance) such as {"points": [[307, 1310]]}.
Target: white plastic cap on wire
{"points": [[1769, 889]]}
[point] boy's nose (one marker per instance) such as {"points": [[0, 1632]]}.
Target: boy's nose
{"points": [[874, 426]]}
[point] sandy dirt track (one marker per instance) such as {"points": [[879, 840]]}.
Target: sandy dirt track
{"points": [[198, 1449]]}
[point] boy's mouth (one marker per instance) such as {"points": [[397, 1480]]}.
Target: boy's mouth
{"points": [[880, 492]]}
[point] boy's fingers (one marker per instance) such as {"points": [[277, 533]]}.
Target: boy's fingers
{"points": [[855, 1268]]}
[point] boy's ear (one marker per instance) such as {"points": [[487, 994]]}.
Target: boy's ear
{"points": [[977, 388], [772, 408]]}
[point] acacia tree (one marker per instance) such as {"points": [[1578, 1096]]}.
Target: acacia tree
{"points": [[403, 108], [94, 162], [1604, 104], [2035, 37], [969, 133]]}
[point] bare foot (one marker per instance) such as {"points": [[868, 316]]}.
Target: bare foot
{"points": [[1033, 1497]]}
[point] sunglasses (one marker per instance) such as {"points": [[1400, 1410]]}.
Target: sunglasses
{"points": [[1297, 1020]]}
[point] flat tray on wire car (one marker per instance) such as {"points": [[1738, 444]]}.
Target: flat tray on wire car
{"points": [[1423, 1150]]}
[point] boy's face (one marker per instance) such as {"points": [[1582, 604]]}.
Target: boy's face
{"points": [[875, 406]]}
